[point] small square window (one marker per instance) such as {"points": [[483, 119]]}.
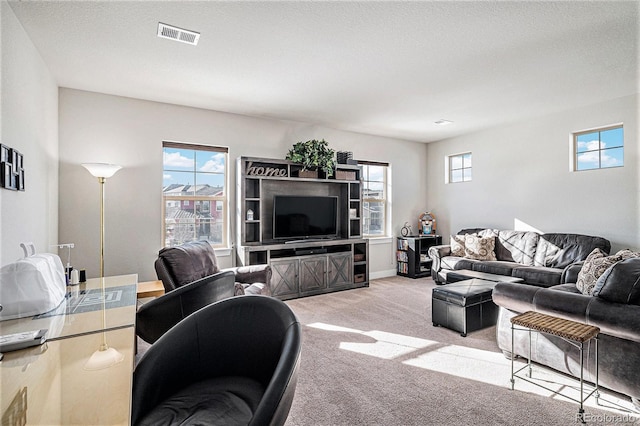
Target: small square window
{"points": [[459, 168], [599, 149]]}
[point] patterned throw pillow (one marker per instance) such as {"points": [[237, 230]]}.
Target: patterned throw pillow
{"points": [[479, 248], [594, 266], [457, 245], [627, 254]]}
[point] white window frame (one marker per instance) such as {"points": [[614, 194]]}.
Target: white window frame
{"points": [[448, 168], [224, 199], [573, 147], [386, 200]]}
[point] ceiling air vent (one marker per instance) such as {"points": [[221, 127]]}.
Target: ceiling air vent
{"points": [[178, 34]]}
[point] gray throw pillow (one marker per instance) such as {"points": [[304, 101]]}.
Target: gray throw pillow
{"points": [[620, 283]]}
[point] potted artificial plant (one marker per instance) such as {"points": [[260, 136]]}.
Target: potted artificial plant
{"points": [[314, 155]]}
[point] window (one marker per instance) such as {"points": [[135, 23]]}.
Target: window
{"points": [[459, 168], [599, 149], [374, 198], [194, 194]]}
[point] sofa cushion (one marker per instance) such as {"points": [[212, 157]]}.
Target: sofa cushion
{"points": [[620, 283], [457, 245], [517, 246], [561, 250], [455, 262], [494, 267], [479, 248], [567, 288], [541, 276]]}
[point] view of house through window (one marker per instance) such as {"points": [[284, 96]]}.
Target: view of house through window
{"points": [[599, 149], [194, 194], [459, 168], [374, 198]]}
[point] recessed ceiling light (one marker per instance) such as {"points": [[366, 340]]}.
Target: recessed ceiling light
{"points": [[443, 122], [178, 34]]}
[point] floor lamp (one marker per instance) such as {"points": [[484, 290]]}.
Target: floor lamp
{"points": [[105, 356]]}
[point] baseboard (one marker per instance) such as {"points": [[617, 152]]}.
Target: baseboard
{"points": [[382, 274]]}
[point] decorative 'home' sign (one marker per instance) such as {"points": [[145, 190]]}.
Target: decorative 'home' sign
{"points": [[11, 169], [266, 169]]}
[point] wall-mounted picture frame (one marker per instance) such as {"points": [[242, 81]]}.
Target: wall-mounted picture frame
{"points": [[11, 169], [4, 153]]}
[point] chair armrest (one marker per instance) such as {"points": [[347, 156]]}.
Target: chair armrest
{"points": [[157, 316], [253, 274], [570, 273]]}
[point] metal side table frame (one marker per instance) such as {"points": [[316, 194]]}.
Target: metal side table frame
{"points": [[574, 333]]}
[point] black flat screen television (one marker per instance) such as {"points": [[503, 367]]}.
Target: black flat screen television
{"points": [[305, 217]]}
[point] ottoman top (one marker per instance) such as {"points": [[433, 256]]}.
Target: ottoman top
{"points": [[465, 292]]}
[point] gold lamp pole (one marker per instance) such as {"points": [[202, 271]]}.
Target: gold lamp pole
{"points": [[105, 356]]}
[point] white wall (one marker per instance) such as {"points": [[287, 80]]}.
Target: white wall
{"points": [[521, 176], [28, 123], [101, 128]]}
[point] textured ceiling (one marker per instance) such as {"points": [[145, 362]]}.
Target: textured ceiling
{"points": [[383, 68]]}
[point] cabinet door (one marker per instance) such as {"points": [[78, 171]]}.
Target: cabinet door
{"points": [[312, 274], [284, 278], [340, 272]]}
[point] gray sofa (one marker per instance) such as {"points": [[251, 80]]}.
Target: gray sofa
{"points": [[614, 308], [542, 260]]}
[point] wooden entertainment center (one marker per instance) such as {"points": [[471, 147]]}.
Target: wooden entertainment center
{"points": [[301, 267]]}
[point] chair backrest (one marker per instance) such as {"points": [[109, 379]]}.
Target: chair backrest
{"points": [[180, 265], [157, 316], [246, 336]]}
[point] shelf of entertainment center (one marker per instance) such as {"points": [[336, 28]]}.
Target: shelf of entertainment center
{"points": [[259, 179]]}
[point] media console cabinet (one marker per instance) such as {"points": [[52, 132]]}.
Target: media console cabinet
{"points": [[305, 267]]}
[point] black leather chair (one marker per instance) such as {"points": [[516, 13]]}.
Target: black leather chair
{"points": [[155, 317], [180, 265], [231, 363]]}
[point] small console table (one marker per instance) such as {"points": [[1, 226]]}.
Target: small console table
{"points": [[573, 332]]}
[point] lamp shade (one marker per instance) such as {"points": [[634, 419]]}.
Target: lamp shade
{"points": [[101, 170]]}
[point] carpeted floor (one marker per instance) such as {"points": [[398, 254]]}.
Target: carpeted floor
{"points": [[371, 356]]}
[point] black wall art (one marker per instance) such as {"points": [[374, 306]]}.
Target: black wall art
{"points": [[11, 169]]}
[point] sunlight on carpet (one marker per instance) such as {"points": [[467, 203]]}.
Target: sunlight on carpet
{"points": [[385, 345], [474, 364]]}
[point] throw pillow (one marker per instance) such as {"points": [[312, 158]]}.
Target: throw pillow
{"points": [[620, 283], [627, 254], [479, 248], [457, 245], [594, 266]]}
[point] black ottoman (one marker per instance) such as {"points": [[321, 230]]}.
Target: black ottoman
{"points": [[464, 306]]}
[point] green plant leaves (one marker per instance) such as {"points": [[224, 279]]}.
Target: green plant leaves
{"points": [[313, 154]]}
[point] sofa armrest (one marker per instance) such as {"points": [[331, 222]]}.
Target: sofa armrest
{"points": [[436, 253], [615, 319], [570, 273]]}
